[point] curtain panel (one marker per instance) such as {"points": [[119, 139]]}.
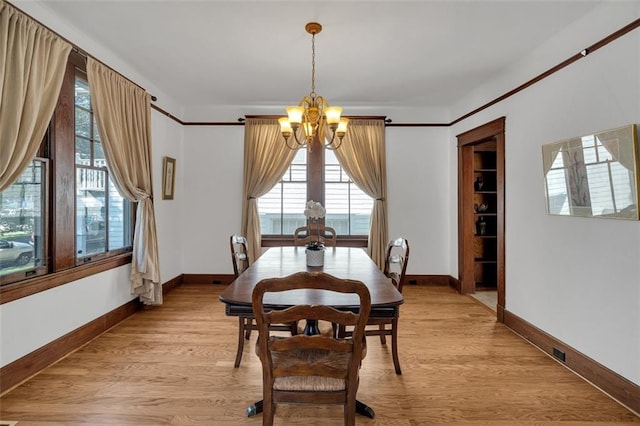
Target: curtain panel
{"points": [[363, 157], [123, 115], [266, 158], [32, 66]]}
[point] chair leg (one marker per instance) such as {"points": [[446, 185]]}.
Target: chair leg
{"points": [[383, 338], [268, 410], [249, 323], [350, 411], [394, 345], [241, 328]]}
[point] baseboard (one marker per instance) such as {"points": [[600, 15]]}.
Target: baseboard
{"points": [[171, 284], [432, 280], [208, 278], [455, 284], [619, 388], [23, 368]]}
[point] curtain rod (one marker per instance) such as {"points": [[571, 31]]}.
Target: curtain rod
{"points": [[86, 55]]}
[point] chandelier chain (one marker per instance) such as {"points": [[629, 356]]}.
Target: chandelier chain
{"points": [[313, 65]]}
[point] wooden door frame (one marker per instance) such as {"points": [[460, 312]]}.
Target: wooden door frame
{"points": [[493, 130]]}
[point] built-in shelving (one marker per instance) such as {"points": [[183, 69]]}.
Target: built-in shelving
{"points": [[485, 218]]}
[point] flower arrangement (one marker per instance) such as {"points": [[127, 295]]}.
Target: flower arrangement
{"points": [[314, 212]]}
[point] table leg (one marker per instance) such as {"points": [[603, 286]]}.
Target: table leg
{"points": [[361, 408]]}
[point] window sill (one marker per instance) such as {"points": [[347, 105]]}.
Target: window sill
{"points": [[18, 290], [343, 241]]}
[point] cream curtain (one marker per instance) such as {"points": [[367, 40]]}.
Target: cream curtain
{"points": [[363, 157], [123, 114], [266, 158], [32, 66]]}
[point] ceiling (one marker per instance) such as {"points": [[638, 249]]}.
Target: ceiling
{"points": [[369, 53]]}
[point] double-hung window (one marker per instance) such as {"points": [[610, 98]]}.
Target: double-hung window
{"points": [[316, 175], [64, 210]]}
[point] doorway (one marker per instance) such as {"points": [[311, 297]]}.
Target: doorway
{"points": [[481, 212]]}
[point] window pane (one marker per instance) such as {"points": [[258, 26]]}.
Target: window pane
{"points": [[90, 212], [120, 231], [83, 122], [96, 133], [281, 210], [82, 97], [83, 151], [348, 207], [21, 222], [98, 155]]}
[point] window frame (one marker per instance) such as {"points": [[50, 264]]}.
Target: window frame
{"points": [[59, 229]]}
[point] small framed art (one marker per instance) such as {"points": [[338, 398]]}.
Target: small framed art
{"points": [[168, 178]]}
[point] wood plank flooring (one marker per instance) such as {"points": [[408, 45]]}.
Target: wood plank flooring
{"points": [[173, 365]]}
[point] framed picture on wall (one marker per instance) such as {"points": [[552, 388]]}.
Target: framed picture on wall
{"points": [[168, 177]]}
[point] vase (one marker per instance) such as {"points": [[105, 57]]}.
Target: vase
{"points": [[315, 257], [478, 184], [481, 226]]}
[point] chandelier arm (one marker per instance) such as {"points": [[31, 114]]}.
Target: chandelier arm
{"points": [[331, 145], [293, 147], [300, 144]]}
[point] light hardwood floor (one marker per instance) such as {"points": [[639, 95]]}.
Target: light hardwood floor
{"points": [[173, 365]]}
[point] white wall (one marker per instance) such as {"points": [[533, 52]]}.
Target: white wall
{"points": [[418, 195], [212, 197], [31, 322], [167, 142], [577, 279]]}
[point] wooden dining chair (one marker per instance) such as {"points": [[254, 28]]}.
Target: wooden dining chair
{"points": [[315, 232], [310, 369], [239, 254], [240, 260], [246, 323], [395, 266]]}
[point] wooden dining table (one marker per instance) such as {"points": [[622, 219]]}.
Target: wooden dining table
{"points": [[342, 262]]}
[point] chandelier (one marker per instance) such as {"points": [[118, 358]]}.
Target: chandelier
{"points": [[307, 120]]}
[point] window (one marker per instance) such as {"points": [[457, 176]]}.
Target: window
{"points": [[64, 210], [22, 208], [348, 207]]}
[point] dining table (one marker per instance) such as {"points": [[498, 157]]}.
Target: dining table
{"points": [[342, 262]]}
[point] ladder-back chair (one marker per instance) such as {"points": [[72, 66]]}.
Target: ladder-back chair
{"points": [[310, 368]]}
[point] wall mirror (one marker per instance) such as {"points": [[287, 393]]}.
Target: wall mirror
{"points": [[594, 175]]}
